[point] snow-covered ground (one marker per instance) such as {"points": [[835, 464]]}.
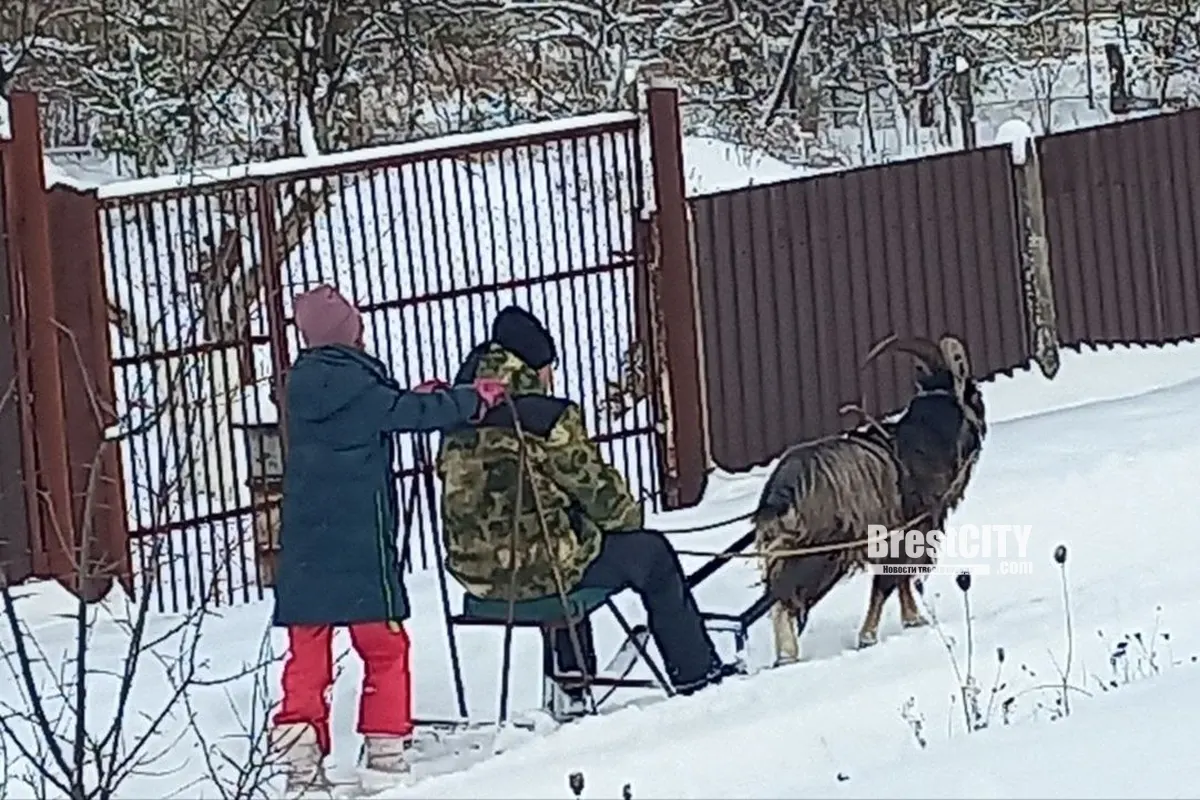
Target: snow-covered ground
{"points": [[1101, 460]]}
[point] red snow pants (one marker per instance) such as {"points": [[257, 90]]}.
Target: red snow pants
{"points": [[385, 708]]}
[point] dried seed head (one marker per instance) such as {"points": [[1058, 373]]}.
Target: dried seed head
{"points": [[964, 581], [1060, 554]]}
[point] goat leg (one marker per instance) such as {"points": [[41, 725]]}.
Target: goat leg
{"points": [[787, 643], [882, 587], [910, 614]]}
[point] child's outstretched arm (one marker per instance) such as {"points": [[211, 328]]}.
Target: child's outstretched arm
{"points": [[391, 408], [432, 406]]}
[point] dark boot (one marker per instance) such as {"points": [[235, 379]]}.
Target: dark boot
{"points": [[719, 673]]}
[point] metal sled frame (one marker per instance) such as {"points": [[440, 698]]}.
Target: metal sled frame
{"points": [[583, 604], [736, 624]]}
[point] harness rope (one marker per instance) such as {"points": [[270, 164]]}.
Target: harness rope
{"points": [[869, 420]]}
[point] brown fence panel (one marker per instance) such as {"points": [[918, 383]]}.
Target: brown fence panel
{"points": [[97, 496], [430, 240], [16, 546], [1123, 220], [799, 279]]}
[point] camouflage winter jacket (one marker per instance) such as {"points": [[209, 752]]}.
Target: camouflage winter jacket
{"points": [[579, 494]]}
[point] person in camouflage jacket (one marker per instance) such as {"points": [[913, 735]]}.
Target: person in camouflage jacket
{"points": [[594, 524]]}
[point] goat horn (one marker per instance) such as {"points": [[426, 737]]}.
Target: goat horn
{"points": [[923, 349]]}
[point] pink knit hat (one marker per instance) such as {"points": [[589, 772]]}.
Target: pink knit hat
{"points": [[324, 316]]}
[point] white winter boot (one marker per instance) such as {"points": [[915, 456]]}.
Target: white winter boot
{"points": [[384, 760], [296, 750]]}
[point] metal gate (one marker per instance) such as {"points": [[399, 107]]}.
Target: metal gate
{"points": [[430, 240]]}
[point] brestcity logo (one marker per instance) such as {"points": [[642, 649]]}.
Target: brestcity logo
{"points": [[979, 549]]}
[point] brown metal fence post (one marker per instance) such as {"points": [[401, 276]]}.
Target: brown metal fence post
{"points": [[18, 559], [97, 484], [25, 191], [685, 419]]}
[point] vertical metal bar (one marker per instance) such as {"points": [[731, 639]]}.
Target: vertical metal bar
{"points": [[431, 258], [425, 465], [30, 225], [180, 328], [408, 500], [549, 240], [167, 496], [273, 283], [1087, 49], [522, 210], [505, 668], [409, 216], [679, 295], [632, 222]]}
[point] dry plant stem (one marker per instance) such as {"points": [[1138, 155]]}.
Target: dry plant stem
{"points": [[1056, 687], [254, 772], [987, 714], [968, 687], [1066, 592], [949, 647]]}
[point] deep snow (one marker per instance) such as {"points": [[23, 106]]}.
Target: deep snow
{"points": [[1101, 460]]}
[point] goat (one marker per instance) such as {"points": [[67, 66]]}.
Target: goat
{"points": [[908, 473]]}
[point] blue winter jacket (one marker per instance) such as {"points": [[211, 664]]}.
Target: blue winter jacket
{"points": [[339, 559]]}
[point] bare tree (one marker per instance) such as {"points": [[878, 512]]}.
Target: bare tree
{"points": [[1171, 31], [1049, 50], [88, 721]]}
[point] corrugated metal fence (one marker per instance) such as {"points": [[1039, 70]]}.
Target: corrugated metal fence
{"points": [[797, 281], [1123, 215]]}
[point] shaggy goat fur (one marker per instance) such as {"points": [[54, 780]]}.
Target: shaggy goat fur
{"points": [[905, 474]]}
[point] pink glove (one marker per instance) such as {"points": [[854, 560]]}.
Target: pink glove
{"points": [[426, 387], [491, 391]]}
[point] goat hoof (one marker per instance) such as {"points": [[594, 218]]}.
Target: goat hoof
{"points": [[784, 661], [916, 622], [867, 640]]}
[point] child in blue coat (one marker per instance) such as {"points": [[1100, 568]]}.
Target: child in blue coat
{"points": [[339, 563]]}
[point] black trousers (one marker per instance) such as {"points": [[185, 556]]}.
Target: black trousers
{"points": [[645, 562]]}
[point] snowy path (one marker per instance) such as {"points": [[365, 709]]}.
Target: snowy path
{"points": [[1112, 480]]}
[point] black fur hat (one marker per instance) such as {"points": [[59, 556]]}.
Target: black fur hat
{"points": [[524, 335]]}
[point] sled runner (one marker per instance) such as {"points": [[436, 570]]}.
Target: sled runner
{"points": [[548, 615]]}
